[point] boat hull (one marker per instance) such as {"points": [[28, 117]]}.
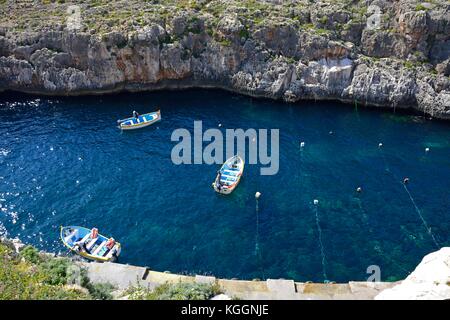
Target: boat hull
{"points": [[233, 176], [71, 234], [143, 121], [225, 190]]}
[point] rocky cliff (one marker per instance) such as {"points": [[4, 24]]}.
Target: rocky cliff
{"points": [[380, 53], [429, 281]]}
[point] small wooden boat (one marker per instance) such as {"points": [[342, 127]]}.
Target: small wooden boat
{"points": [[80, 241], [229, 175], [142, 121]]}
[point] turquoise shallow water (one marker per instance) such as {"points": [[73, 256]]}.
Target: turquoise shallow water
{"points": [[63, 161]]}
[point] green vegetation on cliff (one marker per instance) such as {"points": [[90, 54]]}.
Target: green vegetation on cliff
{"points": [[30, 275], [102, 16], [175, 291]]}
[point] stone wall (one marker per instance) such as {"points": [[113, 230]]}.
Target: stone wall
{"points": [[123, 276], [429, 281]]}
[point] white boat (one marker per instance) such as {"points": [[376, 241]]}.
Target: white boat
{"points": [[139, 122], [229, 175]]}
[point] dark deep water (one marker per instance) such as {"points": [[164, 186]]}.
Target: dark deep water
{"points": [[64, 162]]}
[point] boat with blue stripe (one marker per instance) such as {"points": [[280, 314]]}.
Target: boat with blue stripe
{"points": [[229, 175], [90, 245], [140, 121]]}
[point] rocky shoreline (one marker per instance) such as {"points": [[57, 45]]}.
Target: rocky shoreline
{"points": [[393, 54]]}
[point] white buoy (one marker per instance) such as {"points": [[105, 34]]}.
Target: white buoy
{"points": [[220, 125], [427, 149], [316, 202], [302, 144], [257, 195], [380, 145], [331, 132], [359, 189]]}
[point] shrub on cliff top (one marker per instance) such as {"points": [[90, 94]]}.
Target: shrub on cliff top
{"points": [[35, 276], [22, 279], [100, 291], [176, 291], [421, 7], [30, 254], [55, 271]]}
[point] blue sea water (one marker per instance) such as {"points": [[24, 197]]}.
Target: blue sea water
{"points": [[63, 161]]}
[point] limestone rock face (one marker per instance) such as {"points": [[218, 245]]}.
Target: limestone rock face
{"points": [[444, 67], [375, 53], [282, 39], [383, 84], [321, 79], [382, 44], [15, 73], [433, 95], [429, 281]]}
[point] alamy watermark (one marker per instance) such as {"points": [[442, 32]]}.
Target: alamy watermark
{"points": [[189, 149], [375, 275], [73, 18], [374, 19]]}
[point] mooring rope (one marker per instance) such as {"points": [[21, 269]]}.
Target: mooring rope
{"points": [[322, 250], [381, 253], [316, 213], [421, 216], [403, 183], [300, 177], [377, 248], [257, 249]]}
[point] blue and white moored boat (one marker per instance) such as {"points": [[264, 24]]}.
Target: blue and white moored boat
{"points": [[229, 175], [90, 245], [141, 121]]}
